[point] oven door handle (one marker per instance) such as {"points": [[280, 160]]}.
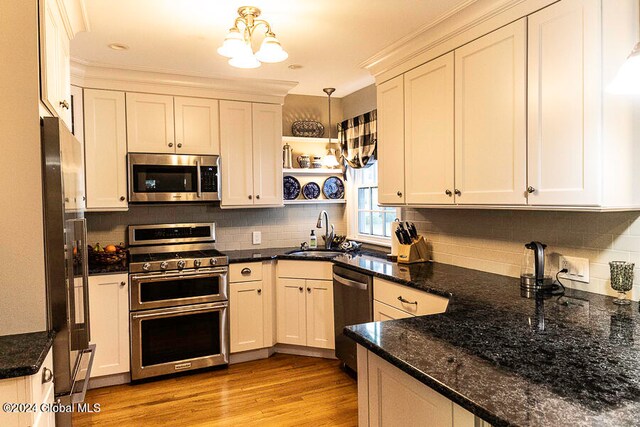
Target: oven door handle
{"points": [[169, 276], [199, 178], [181, 310]]}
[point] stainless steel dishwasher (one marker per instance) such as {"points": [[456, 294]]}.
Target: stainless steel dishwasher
{"points": [[352, 304]]}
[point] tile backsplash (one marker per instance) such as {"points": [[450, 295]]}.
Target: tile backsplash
{"points": [[280, 227], [493, 240]]}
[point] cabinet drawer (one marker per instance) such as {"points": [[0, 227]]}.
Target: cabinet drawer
{"points": [[382, 312], [245, 272], [39, 388], [420, 303], [317, 270]]}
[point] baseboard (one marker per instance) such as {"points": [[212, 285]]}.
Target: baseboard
{"points": [[109, 380], [247, 356], [305, 351]]}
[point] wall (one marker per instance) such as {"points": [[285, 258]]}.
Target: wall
{"points": [[280, 227], [22, 279], [306, 107], [359, 102], [493, 240]]}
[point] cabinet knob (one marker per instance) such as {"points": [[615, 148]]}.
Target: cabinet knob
{"points": [[122, 284], [84, 198], [170, 144], [47, 375], [530, 189], [122, 198], [245, 271], [458, 192], [257, 196], [250, 197], [448, 193], [179, 145], [259, 291], [300, 288], [399, 193], [308, 289], [64, 104]]}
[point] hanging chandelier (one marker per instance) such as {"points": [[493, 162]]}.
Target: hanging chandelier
{"points": [[237, 45]]}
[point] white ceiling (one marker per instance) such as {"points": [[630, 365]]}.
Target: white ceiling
{"points": [[329, 38]]}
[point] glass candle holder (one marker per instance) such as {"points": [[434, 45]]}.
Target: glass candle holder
{"points": [[621, 280]]}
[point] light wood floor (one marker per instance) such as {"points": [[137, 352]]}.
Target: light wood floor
{"points": [[283, 390]]}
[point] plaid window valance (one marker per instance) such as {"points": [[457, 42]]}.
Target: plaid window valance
{"points": [[358, 139]]}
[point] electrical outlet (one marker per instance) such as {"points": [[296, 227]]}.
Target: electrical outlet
{"points": [[257, 237], [578, 268]]}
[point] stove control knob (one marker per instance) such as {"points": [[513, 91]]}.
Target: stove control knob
{"points": [[164, 265], [197, 263], [213, 261], [181, 263], [146, 266]]}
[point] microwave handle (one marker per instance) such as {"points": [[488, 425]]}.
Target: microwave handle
{"points": [[199, 179]]}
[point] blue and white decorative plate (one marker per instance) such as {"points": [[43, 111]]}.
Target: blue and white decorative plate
{"points": [[290, 188], [333, 188], [311, 190]]}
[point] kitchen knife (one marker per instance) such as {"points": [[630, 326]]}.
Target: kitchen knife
{"points": [[405, 234], [400, 236], [413, 231]]}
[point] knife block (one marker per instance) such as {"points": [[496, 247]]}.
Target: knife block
{"points": [[413, 253]]}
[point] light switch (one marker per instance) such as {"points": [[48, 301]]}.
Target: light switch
{"points": [[257, 237]]}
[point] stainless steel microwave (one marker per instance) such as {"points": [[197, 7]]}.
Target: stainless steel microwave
{"points": [[166, 178]]}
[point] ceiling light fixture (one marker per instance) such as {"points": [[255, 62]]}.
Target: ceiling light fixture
{"points": [[237, 44], [330, 160], [627, 81]]}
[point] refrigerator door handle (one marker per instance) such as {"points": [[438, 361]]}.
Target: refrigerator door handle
{"points": [[85, 280], [78, 397]]}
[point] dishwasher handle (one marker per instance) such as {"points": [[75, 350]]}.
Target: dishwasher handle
{"points": [[351, 283]]}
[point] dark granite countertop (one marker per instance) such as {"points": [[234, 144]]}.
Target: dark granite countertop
{"points": [[569, 361], [250, 255], [23, 354], [97, 270]]}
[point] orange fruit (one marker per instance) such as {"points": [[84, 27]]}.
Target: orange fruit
{"points": [[110, 248]]}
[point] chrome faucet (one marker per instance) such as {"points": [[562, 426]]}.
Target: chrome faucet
{"points": [[328, 236]]}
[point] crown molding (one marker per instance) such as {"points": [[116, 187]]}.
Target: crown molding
{"points": [[138, 79], [468, 21]]}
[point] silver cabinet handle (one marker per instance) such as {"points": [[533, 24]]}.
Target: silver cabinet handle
{"points": [[530, 189], [448, 193], [122, 284], [122, 198], [259, 291], [245, 271], [179, 145], [458, 192], [399, 193], [404, 301], [64, 104], [171, 144], [47, 375]]}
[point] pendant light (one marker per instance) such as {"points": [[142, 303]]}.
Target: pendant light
{"points": [[330, 160], [627, 81]]}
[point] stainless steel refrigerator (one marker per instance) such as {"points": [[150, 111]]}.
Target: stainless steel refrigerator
{"points": [[66, 263]]}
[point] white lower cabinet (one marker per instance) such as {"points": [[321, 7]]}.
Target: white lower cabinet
{"points": [[394, 398], [109, 311], [251, 306], [382, 312], [35, 389], [304, 304]]}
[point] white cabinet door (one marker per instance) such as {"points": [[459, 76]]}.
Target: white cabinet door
{"points": [[490, 118], [396, 399], [564, 92], [236, 153], [105, 150], [320, 332], [291, 317], [197, 126], [77, 128], [64, 80], [247, 316], [150, 123], [267, 154], [109, 311], [382, 312], [390, 99], [428, 115]]}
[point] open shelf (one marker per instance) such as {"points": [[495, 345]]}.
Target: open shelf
{"points": [[313, 201], [310, 171]]}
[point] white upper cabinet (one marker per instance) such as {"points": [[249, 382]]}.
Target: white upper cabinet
{"points": [[197, 126], [55, 62], [150, 126], [490, 118], [428, 115], [251, 154], [267, 154], [105, 150], [390, 100], [564, 94]]}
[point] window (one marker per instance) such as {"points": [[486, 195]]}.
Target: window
{"points": [[368, 221]]}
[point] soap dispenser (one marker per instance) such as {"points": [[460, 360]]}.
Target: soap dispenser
{"points": [[313, 240]]}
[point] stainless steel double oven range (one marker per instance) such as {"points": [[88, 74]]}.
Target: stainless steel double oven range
{"points": [[178, 297]]}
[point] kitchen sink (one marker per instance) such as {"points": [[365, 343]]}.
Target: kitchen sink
{"points": [[316, 253]]}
